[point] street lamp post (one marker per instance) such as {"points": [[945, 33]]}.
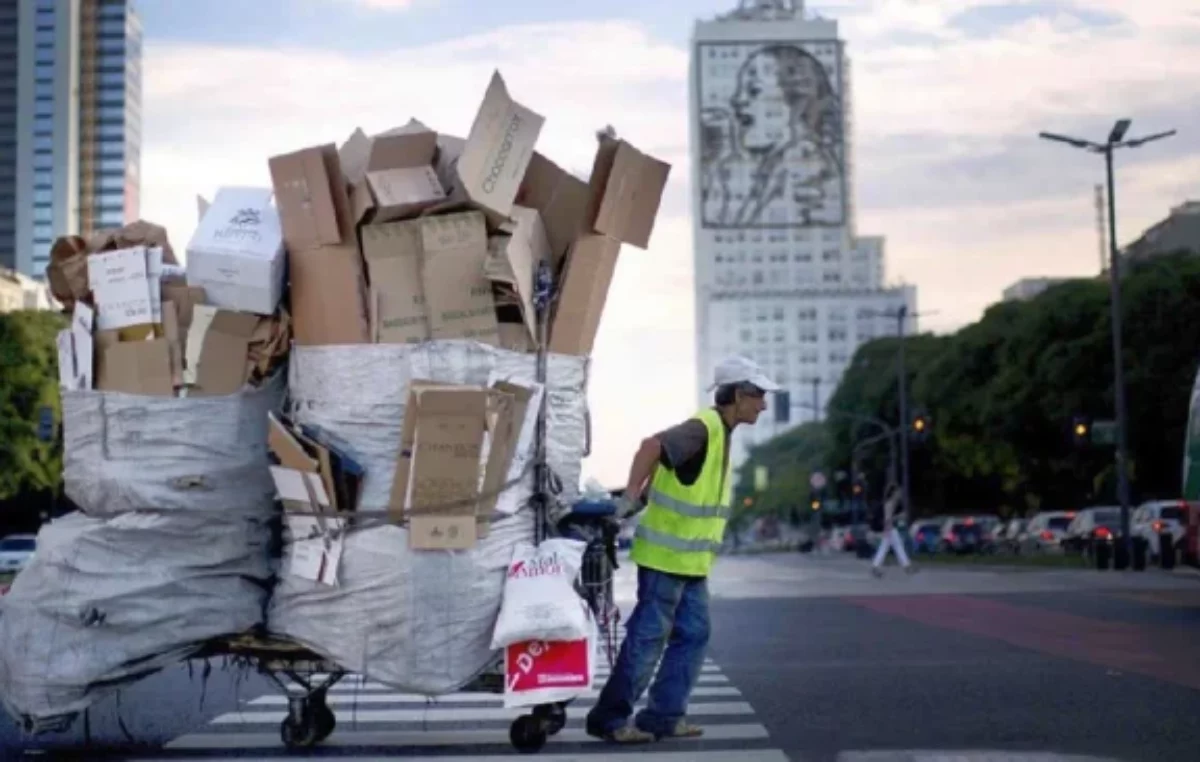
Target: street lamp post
{"points": [[1116, 139], [901, 315]]}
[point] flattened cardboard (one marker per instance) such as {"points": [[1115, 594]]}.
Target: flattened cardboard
{"points": [[457, 294], [447, 450], [83, 320], [627, 187], [135, 367], [67, 374], [174, 341], [398, 499], [286, 448], [561, 199], [515, 338], [584, 290], [221, 368], [514, 260], [498, 150], [328, 295], [508, 405], [310, 193], [442, 532], [185, 298], [397, 300]]}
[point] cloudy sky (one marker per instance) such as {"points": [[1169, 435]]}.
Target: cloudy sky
{"points": [[949, 95]]}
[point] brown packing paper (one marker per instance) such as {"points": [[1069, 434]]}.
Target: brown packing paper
{"points": [[134, 367], [328, 295], [397, 302], [67, 271], [584, 290], [222, 365], [269, 346], [140, 233], [458, 296]]}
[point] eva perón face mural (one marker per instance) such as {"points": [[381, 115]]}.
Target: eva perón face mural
{"points": [[771, 149]]}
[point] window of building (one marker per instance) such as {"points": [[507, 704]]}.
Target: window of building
{"points": [[43, 214], [43, 231], [43, 196], [44, 37], [42, 143]]}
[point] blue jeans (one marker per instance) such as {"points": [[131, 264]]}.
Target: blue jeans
{"points": [[671, 612]]}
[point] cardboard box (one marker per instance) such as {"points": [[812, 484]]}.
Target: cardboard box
{"points": [[121, 288], [562, 200], [236, 253], [507, 407], [328, 295], [135, 367], [513, 259], [582, 294], [83, 321], [627, 187], [185, 298], [458, 296], [497, 153], [223, 347], [391, 175], [174, 340], [310, 193], [397, 299]]}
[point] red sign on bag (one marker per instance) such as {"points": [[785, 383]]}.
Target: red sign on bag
{"points": [[538, 664]]}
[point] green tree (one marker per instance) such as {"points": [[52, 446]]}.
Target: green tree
{"points": [[790, 460], [28, 381]]}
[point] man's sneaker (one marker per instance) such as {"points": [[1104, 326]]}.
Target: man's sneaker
{"points": [[626, 734], [684, 729], [876, 572]]}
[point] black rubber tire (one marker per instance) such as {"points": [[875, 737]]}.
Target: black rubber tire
{"points": [[303, 735], [528, 734], [553, 717], [325, 721]]}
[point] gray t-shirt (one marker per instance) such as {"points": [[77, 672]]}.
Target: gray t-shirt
{"points": [[685, 448]]}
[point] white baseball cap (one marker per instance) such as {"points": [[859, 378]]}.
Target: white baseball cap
{"points": [[742, 370]]}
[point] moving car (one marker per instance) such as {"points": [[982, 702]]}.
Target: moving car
{"points": [[15, 552]]}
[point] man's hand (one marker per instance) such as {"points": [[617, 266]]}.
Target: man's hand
{"points": [[627, 506]]}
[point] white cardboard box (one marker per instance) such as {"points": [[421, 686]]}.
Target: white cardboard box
{"points": [[236, 253]]}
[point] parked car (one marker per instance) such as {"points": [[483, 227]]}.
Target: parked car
{"points": [[1045, 531], [925, 535], [961, 536], [1153, 518], [15, 551], [1007, 536], [1090, 527]]}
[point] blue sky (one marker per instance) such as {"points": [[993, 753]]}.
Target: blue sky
{"points": [[948, 98]]}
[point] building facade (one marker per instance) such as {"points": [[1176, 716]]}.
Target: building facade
{"points": [[781, 274], [1027, 288], [71, 162], [1179, 232]]}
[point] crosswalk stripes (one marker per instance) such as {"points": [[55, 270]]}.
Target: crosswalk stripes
{"points": [[375, 721]]}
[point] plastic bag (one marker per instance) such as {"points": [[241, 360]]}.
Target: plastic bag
{"points": [[546, 672], [540, 601]]}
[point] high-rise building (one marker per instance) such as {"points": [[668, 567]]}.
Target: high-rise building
{"points": [[780, 272], [70, 122]]}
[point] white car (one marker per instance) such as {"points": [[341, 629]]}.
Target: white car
{"points": [[15, 552], [1045, 531], [1151, 519]]}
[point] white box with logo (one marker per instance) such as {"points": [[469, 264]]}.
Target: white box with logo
{"points": [[237, 254]]}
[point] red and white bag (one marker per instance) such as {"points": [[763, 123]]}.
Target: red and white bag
{"points": [[544, 672], [540, 601]]}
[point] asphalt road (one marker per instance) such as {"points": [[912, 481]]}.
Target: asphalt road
{"points": [[811, 659]]}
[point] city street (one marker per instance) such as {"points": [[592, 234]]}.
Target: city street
{"points": [[811, 659]]}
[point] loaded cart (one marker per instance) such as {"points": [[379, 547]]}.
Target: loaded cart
{"points": [[305, 677]]}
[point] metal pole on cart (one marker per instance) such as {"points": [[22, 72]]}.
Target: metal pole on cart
{"points": [[542, 298]]}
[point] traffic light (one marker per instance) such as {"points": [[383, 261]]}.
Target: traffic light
{"points": [[1081, 431], [858, 489], [814, 501], [920, 427]]}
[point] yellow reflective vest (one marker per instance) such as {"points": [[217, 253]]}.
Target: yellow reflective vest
{"points": [[683, 525]]}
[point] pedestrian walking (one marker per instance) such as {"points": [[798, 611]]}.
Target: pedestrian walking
{"points": [[891, 538], [681, 475]]}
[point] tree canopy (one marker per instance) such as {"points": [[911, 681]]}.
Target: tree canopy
{"points": [[1002, 392]]}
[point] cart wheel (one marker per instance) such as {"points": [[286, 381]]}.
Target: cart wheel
{"points": [[299, 735], [553, 717], [324, 720], [528, 734]]}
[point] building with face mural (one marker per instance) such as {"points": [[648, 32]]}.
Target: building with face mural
{"points": [[781, 273]]}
